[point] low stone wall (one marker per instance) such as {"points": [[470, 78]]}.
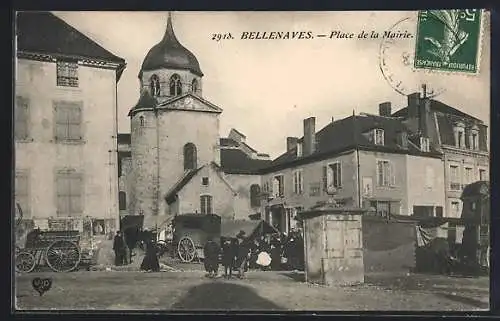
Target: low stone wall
{"points": [[388, 246]]}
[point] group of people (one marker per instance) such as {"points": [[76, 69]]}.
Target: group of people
{"points": [[233, 253], [276, 252], [150, 262]]}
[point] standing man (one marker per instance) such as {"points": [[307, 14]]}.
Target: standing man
{"points": [[243, 250], [119, 248]]}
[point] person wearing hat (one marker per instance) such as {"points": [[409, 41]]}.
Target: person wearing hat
{"points": [[243, 249], [211, 253]]}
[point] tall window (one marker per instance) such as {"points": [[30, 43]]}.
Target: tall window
{"points": [[175, 85], [67, 74], [69, 194], [190, 158], [454, 177], [194, 86], [378, 136], [21, 124], [21, 192], [68, 121], [333, 175], [482, 175], [469, 175], [141, 121], [206, 204], [278, 186], [154, 85], [122, 200], [424, 144], [474, 140], [298, 182], [386, 173], [255, 195]]}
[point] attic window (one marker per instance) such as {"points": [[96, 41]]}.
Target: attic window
{"points": [[378, 136], [299, 150], [141, 121], [67, 74], [204, 181], [424, 144], [459, 132]]}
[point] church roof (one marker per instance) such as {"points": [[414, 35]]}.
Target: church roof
{"points": [[236, 161], [45, 33], [169, 53]]}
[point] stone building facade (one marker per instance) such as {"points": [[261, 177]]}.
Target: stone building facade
{"points": [[65, 125], [175, 146], [460, 137]]}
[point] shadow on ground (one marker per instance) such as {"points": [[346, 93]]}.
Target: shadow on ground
{"points": [[223, 296], [298, 277], [465, 300]]}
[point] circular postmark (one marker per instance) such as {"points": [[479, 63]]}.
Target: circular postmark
{"points": [[396, 59]]}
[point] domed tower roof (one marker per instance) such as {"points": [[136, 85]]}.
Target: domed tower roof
{"points": [[169, 53]]}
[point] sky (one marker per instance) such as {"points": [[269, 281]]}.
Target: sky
{"points": [[267, 87]]}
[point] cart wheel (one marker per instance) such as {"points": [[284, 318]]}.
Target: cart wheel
{"points": [[186, 249], [63, 256], [25, 262]]}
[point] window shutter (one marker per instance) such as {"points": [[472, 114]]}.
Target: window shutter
{"points": [[325, 178], [209, 199], [282, 186], [392, 176], [271, 187], [339, 174], [379, 173]]}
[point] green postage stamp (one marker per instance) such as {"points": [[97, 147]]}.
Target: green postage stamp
{"points": [[448, 40]]}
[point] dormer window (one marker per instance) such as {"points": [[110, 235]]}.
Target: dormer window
{"points": [[459, 132], [175, 85], [299, 150], [474, 138], [425, 144], [378, 136], [154, 85]]}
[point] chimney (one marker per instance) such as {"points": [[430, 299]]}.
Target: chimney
{"points": [[423, 116], [384, 109], [413, 103], [309, 136], [291, 143]]}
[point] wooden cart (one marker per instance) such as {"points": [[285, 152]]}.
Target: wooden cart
{"points": [[60, 250], [190, 233]]}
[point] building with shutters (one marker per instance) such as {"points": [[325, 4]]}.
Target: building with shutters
{"points": [[362, 160], [460, 137], [65, 124]]}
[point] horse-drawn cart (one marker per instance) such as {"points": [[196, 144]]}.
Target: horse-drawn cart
{"points": [[60, 250], [191, 232]]}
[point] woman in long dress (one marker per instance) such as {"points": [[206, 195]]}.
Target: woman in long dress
{"points": [[150, 262]]}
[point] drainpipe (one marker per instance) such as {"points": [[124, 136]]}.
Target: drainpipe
{"points": [[360, 203], [157, 187]]}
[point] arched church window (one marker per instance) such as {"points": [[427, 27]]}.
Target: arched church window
{"points": [[155, 86], [190, 157], [175, 85], [194, 86], [141, 121]]}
